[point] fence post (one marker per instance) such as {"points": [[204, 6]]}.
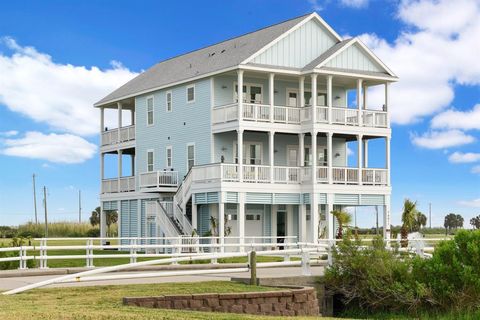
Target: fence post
{"points": [[306, 264], [133, 250], [43, 254], [253, 267], [22, 263]]}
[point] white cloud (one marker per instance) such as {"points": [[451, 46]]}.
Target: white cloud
{"points": [[438, 49], [441, 139], [476, 170], [349, 151], [316, 5], [9, 133], [460, 157], [475, 203], [58, 148], [455, 119], [355, 3], [60, 95]]}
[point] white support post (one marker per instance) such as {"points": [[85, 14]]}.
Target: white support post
{"points": [[241, 220], [302, 223], [132, 158], [240, 94], [359, 101], [314, 157], [119, 106], [359, 157], [102, 165], [330, 157], [314, 98], [102, 120], [330, 222], [221, 224], [365, 97], [301, 146], [365, 153], [387, 103], [271, 94], [194, 215], [329, 97], [301, 85], [387, 162], [271, 149], [120, 165], [314, 216], [386, 218], [103, 222], [132, 115], [240, 154], [133, 251]]}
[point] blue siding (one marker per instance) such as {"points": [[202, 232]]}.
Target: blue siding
{"points": [[258, 198], [346, 199], [287, 198], [187, 123]]}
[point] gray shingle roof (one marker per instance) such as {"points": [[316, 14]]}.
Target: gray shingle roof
{"points": [[213, 58]]}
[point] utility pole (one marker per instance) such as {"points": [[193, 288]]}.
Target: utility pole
{"points": [[430, 214], [79, 206], [35, 199], [46, 212]]}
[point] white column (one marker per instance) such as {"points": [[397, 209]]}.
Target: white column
{"points": [[301, 90], [365, 153], [314, 98], [102, 119], [302, 223], [221, 224], [240, 93], [271, 94], [271, 150], [241, 220], [301, 147], [103, 222], [120, 169], [240, 154], [365, 97], [359, 100], [387, 102], [330, 222], [119, 105], [387, 160], [329, 97], [132, 119], [102, 165], [359, 157], [314, 157], [386, 218], [194, 216], [330, 157], [314, 217]]}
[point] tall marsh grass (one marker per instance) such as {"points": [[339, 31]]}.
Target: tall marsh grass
{"points": [[62, 229]]}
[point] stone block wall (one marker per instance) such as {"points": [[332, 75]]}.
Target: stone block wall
{"points": [[286, 302]]}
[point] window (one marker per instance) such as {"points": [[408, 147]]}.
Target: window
{"points": [[252, 93], [168, 98], [191, 93], [169, 156], [150, 160], [252, 153], [150, 111], [190, 156]]}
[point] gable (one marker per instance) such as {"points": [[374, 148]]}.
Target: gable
{"points": [[354, 58], [299, 47]]}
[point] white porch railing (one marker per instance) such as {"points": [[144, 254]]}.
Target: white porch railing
{"points": [[375, 177], [156, 179], [290, 115], [322, 114], [287, 175], [226, 113], [256, 173], [345, 175], [110, 137], [115, 185], [256, 112], [345, 116], [322, 174], [374, 118]]}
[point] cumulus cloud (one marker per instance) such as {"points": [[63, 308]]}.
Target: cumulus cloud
{"points": [[354, 3], [57, 148], [460, 157], [59, 95], [476, 169], [9, 133], [441, 139], [475, 203], [437, 50], [456, 119]]}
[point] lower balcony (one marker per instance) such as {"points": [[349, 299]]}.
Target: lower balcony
{"points": [[158, 181], [117, 185]]}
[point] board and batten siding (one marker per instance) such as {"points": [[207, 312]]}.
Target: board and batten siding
{"points": [[299, 47], [354, 58], [186, 123]]}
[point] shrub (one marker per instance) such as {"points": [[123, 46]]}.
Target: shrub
{"points": [[93, 233]]}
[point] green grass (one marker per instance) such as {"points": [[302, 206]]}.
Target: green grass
{"points": [[105, 302]]}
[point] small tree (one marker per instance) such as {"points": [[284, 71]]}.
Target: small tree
{"points": [[409, 219], [475, 222], [421, 221], [452, 222], [95, 217], [111, 217], [344, 219]]}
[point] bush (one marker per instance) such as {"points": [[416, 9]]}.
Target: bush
{"points": [[93, 233], [7, 232], [377, 280]]}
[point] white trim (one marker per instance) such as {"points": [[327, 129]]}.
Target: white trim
{"points": [[354, 75], [194, 93], [153, 109], [191, 144], [292, 29], [169, 147], [169, 92], [153, 159]]}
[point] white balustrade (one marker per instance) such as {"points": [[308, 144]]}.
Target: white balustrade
{"points": [[287, 175], [229, 172], [227, 113], [256, 173], [322, 174], [123, 184], [375, 177], [345, 175], [290, 115], [322, 114], [256, 112], [375, 118], [156, 179], [345, 116], [110, 137]]}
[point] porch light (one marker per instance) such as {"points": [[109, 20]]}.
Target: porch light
{"points": [[224, 87]]}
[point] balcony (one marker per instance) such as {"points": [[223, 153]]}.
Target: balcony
{"points": [[296, 116], [117, 185], [223, 172], [112, 137], [158, 180]]}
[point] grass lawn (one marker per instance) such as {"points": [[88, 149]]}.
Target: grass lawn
{"points": [[105, 302]]}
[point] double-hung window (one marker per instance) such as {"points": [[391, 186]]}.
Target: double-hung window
{"points": [[150, 111], [190, 156], [150, 160], [168, 98], [169, 156], [191, 93]]}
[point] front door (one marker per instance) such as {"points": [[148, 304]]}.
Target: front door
{"points": [[292, 156], [292, 98]]}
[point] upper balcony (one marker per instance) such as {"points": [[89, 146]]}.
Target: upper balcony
{"points": [[118, 135], [122, 135]]}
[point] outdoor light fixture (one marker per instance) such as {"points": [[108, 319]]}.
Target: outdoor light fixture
{"points": [[224, 87]]}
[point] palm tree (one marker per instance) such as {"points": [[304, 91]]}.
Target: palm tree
{"points": [[409, 219], [344, 219], [421, 221]]}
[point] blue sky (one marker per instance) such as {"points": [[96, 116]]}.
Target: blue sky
{"points": [[57, 58]]}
